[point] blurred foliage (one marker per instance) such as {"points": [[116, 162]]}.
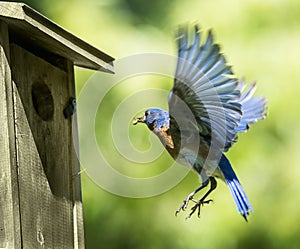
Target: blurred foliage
{"points": [[153, 12], [261, 39]]}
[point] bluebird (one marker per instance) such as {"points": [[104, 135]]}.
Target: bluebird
{"points": [[208, 106]]}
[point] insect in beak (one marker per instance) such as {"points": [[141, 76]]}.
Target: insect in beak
{"points": [[139, 120]]}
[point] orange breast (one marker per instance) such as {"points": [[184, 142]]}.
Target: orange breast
{"points": [[164, 136]]}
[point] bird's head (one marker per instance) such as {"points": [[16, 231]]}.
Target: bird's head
{"points": [[154, 118]]}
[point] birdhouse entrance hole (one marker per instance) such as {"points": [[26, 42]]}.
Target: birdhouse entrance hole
{"points": [[42, 100]]}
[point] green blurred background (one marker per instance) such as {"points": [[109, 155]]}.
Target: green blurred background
{"points": [[262, 40]]}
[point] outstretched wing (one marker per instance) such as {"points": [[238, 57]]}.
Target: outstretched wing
{"points": [[253, 108], [204, 98]]}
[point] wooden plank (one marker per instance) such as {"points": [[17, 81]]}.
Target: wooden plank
{"points": [[76, 178], [44, 156], [10, 234], [23, 20]]}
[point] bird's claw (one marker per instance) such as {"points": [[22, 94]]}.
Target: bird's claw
{"points": [[182, 207], [197, 206], [185, 203]]}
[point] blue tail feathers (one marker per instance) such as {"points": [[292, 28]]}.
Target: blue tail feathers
{"points": [[240, 198]]}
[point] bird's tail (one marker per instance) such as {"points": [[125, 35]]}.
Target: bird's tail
{"points": [[253, 108], [240, 198]]}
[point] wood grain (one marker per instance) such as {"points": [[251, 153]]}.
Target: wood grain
{"points": [[10, 233], [44, 155]]}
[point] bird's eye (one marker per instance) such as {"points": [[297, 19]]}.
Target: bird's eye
{"points": [[147, 113]]}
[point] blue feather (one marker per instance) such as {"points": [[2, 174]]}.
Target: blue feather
{"points": [[253, 108], [240, 198]]}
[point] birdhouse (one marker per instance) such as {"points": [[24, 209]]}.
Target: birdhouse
{"points": [[40, 196]]}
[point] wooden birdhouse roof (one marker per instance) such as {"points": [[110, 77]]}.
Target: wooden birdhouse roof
{"points": [[26, 23]]}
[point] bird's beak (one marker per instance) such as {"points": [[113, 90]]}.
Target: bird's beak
{"points": [[139, 120]]}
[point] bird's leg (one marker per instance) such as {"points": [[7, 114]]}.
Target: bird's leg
{"points": [[191, 197], [202, 201]]}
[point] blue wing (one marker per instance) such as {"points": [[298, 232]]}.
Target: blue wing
{"points": [[253, 108], [204, 98]]}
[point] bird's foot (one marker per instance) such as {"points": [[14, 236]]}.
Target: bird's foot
{"points": [[185, 203], [198, 206]]}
